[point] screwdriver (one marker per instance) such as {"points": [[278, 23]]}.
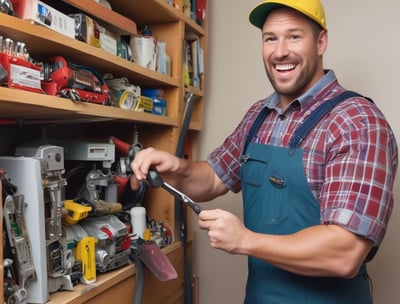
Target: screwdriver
{"points": [[154, 180]]}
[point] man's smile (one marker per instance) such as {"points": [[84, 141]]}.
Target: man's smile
{"points": [[285, 67]]}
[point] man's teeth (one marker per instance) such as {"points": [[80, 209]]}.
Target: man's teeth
{"points": [[285, 67]]}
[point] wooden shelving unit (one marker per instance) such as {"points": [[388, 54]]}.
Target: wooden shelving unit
{"points": [[21, 112]]}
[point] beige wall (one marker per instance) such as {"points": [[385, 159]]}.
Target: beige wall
{"points": [[363, 50]]}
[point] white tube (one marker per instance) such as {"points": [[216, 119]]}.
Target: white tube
{"points": [[138, 221]]}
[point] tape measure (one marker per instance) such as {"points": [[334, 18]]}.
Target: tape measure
{"points": [[126, 100], [125, 93]]}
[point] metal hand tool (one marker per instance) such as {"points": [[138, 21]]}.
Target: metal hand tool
{"points": [[154, 180]]}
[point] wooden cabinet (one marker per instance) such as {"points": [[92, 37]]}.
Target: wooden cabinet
{"points": [[26, 115]]}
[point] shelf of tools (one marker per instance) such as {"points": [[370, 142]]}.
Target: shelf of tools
{"points": [[64, 90]]}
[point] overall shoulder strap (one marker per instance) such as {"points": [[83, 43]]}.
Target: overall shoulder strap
{"points": [[302, 131], [256, 126]]}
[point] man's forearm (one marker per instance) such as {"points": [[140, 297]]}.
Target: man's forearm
{"points": [[324, 250]]}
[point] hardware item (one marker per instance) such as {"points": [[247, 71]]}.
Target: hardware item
{"points": [[126, 94], [85, 252], [52, 165], [65, 282], [113, 242], [99, 190], [6, 7], [18, 238], [80, 83], [3, 73], [94, 180], [75, 212], [130, 198], [154, 179], [129, 151], [60, 259], [37, 171], [17, 68], [13, 293], [144, 104], [26, 173]]}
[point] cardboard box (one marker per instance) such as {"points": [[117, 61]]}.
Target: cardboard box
{"points": [[91, 32], [86, 29], [44, 14]]}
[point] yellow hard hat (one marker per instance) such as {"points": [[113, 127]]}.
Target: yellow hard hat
{"points": [[311, 8]]}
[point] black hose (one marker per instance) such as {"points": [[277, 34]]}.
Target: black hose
{"points": [[139, 278]]}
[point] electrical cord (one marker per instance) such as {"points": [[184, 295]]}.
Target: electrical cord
{"points": [[139, 275]]}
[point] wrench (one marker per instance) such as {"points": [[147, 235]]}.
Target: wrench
{"points": [[154, 180]]}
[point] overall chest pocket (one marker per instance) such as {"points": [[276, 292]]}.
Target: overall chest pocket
{"points": [[264, 192]]}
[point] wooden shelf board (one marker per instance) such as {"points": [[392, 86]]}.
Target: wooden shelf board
{"points": [[22, 104], [117, 21], [192, 26], [146, 12]]}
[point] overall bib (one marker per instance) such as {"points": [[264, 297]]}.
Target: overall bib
{"points": [[277, 200]]}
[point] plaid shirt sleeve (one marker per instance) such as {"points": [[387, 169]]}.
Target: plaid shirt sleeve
{"points": [[359, 172]]}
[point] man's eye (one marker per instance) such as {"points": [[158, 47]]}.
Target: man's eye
{"points": [[269, 39]]}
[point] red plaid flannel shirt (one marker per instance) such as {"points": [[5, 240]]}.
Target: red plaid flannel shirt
{"points": [[350, 159]]}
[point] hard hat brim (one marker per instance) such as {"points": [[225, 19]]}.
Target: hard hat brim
{"points": [[261, 11]]}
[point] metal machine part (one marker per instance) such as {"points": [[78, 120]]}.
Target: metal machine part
{"points": [[37, 171], [6, 7], [13, 293], [52, 168], [113, 242], [94, 180], [18, 238], [99, 190]]}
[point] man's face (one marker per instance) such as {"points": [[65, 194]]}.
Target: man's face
{"points": [[292, 53]]}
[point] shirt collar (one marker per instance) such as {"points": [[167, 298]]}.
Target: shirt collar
{"points": [[304, 100]]}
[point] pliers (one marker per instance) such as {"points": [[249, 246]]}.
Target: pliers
{"points": [[154, 180]]}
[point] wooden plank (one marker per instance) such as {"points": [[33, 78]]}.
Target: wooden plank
{"points": [[118, 22]]}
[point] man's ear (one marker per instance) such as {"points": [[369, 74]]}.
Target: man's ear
{"points": [[322, 42]]}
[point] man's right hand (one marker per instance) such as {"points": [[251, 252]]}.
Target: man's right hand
{"points": [[162, 161]]}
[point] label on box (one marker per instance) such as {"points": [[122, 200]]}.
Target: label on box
{"points": [[55, 20], [108, 43], [24, 76]]}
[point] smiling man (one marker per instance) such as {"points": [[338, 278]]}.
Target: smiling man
{"points": [[315, 163]]}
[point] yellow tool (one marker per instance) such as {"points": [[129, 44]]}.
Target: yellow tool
{"points": [[76, 212], [86, 252]]}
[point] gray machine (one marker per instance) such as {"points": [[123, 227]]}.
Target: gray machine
{"points": [[37, 172]]}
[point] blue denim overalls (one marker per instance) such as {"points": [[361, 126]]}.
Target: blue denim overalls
{"points": [[277, 200]]}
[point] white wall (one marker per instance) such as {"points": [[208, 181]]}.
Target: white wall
{"points": [[363, 50]]}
